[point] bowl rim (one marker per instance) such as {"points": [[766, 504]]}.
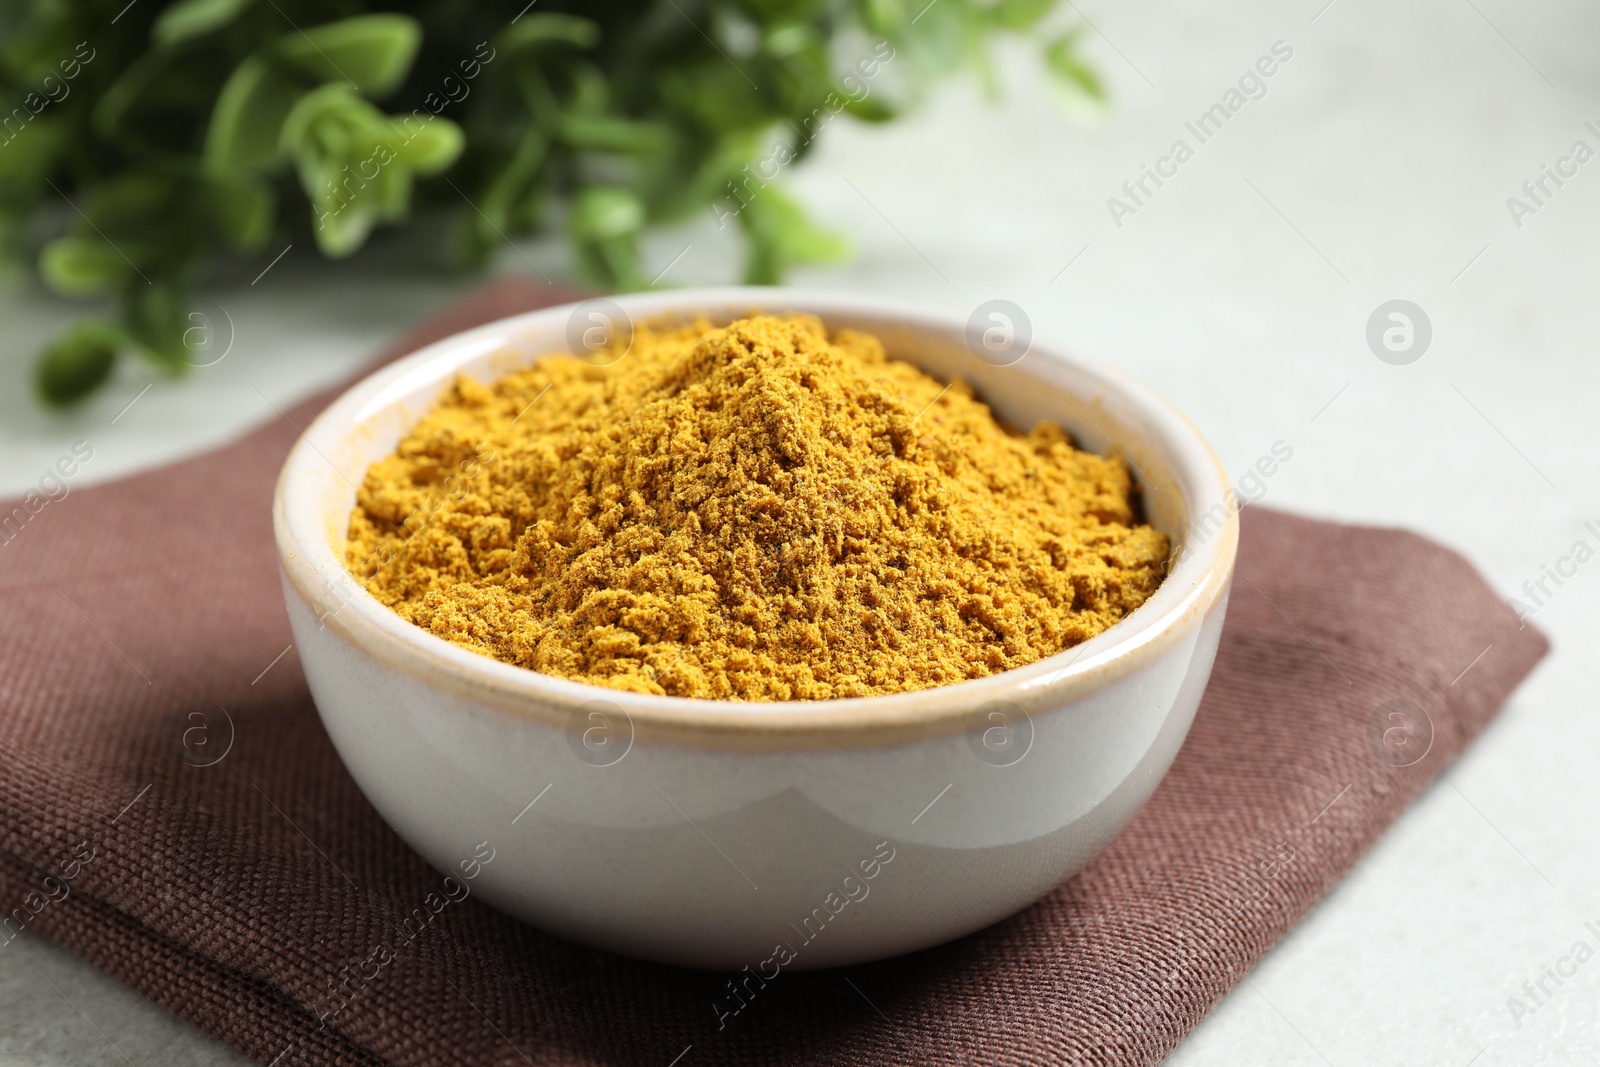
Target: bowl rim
{"points": [[1196, 583]]}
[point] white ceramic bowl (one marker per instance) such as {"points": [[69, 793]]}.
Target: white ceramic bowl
{"points": [[767, 835]]}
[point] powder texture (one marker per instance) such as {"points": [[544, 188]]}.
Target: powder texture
{"points": [[755, 512]]}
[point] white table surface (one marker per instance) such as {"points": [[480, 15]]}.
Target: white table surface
{"points": [[1377, 166]]}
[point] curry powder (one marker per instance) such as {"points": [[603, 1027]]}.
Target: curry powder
{"points": [[755, 512]]}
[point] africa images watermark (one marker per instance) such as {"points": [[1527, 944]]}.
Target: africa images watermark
{"points": [[1541, 590], [741, 192], [853, 889], [386, 152], [1252, 85], [1537, 191], [37, 100], [54, 484], [353, 978], [1537, 992], [200, 747], [1399, 332], [53, 889], [1250, 488]]}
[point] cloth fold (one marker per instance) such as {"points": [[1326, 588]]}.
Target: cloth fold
{"points": [[172, 811]]}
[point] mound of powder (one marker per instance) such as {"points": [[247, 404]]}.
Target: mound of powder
{"points": [[755, 512]]}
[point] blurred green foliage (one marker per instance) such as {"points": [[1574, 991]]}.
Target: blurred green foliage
{"points": [[145, 140]]}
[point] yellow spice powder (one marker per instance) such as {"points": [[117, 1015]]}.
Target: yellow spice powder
{"points": [[756, 512]]}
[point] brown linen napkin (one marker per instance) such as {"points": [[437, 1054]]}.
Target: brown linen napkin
{"points": [[172, 811]]}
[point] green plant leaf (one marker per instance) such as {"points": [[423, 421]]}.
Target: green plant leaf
{"points": [[127, 202], [544, 28], [871, 109], [33, 43], [373, 53], [772, 10], [242, 207], [389, 194], [77, 362], [940, 36], [323, 120], [81, 266], [781, 236], [318, 136], [607, 133], [339, 232], [1061, 59], [431, 149], [508, 185], [612, 263], [154, 316], [716, 95], [591, 89], [1020, 15], [187, 19], [121, 95], [791, 38], [356, 165], [886, 18], [246, 124], [708, 182], [181, 142], [604, 211], [28, 153], [605, 224]]}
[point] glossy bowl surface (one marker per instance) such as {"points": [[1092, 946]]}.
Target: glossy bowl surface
{"points": [[773, 835]]}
